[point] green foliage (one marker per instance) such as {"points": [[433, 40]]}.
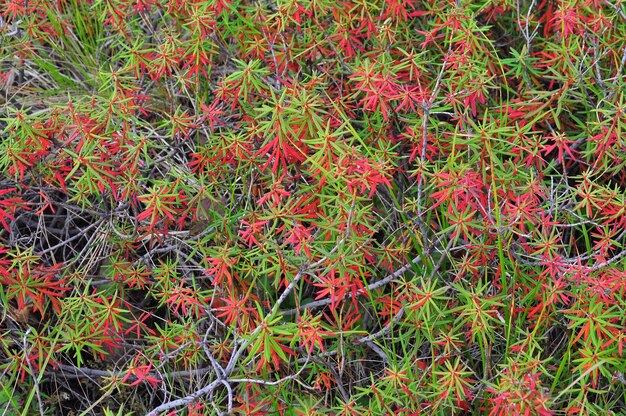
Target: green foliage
{"points": [[312, 207]]}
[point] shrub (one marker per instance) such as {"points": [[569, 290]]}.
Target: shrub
{"points": [[312, 207]]}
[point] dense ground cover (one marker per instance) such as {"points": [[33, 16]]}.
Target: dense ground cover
{"points": [[312, 207]]}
